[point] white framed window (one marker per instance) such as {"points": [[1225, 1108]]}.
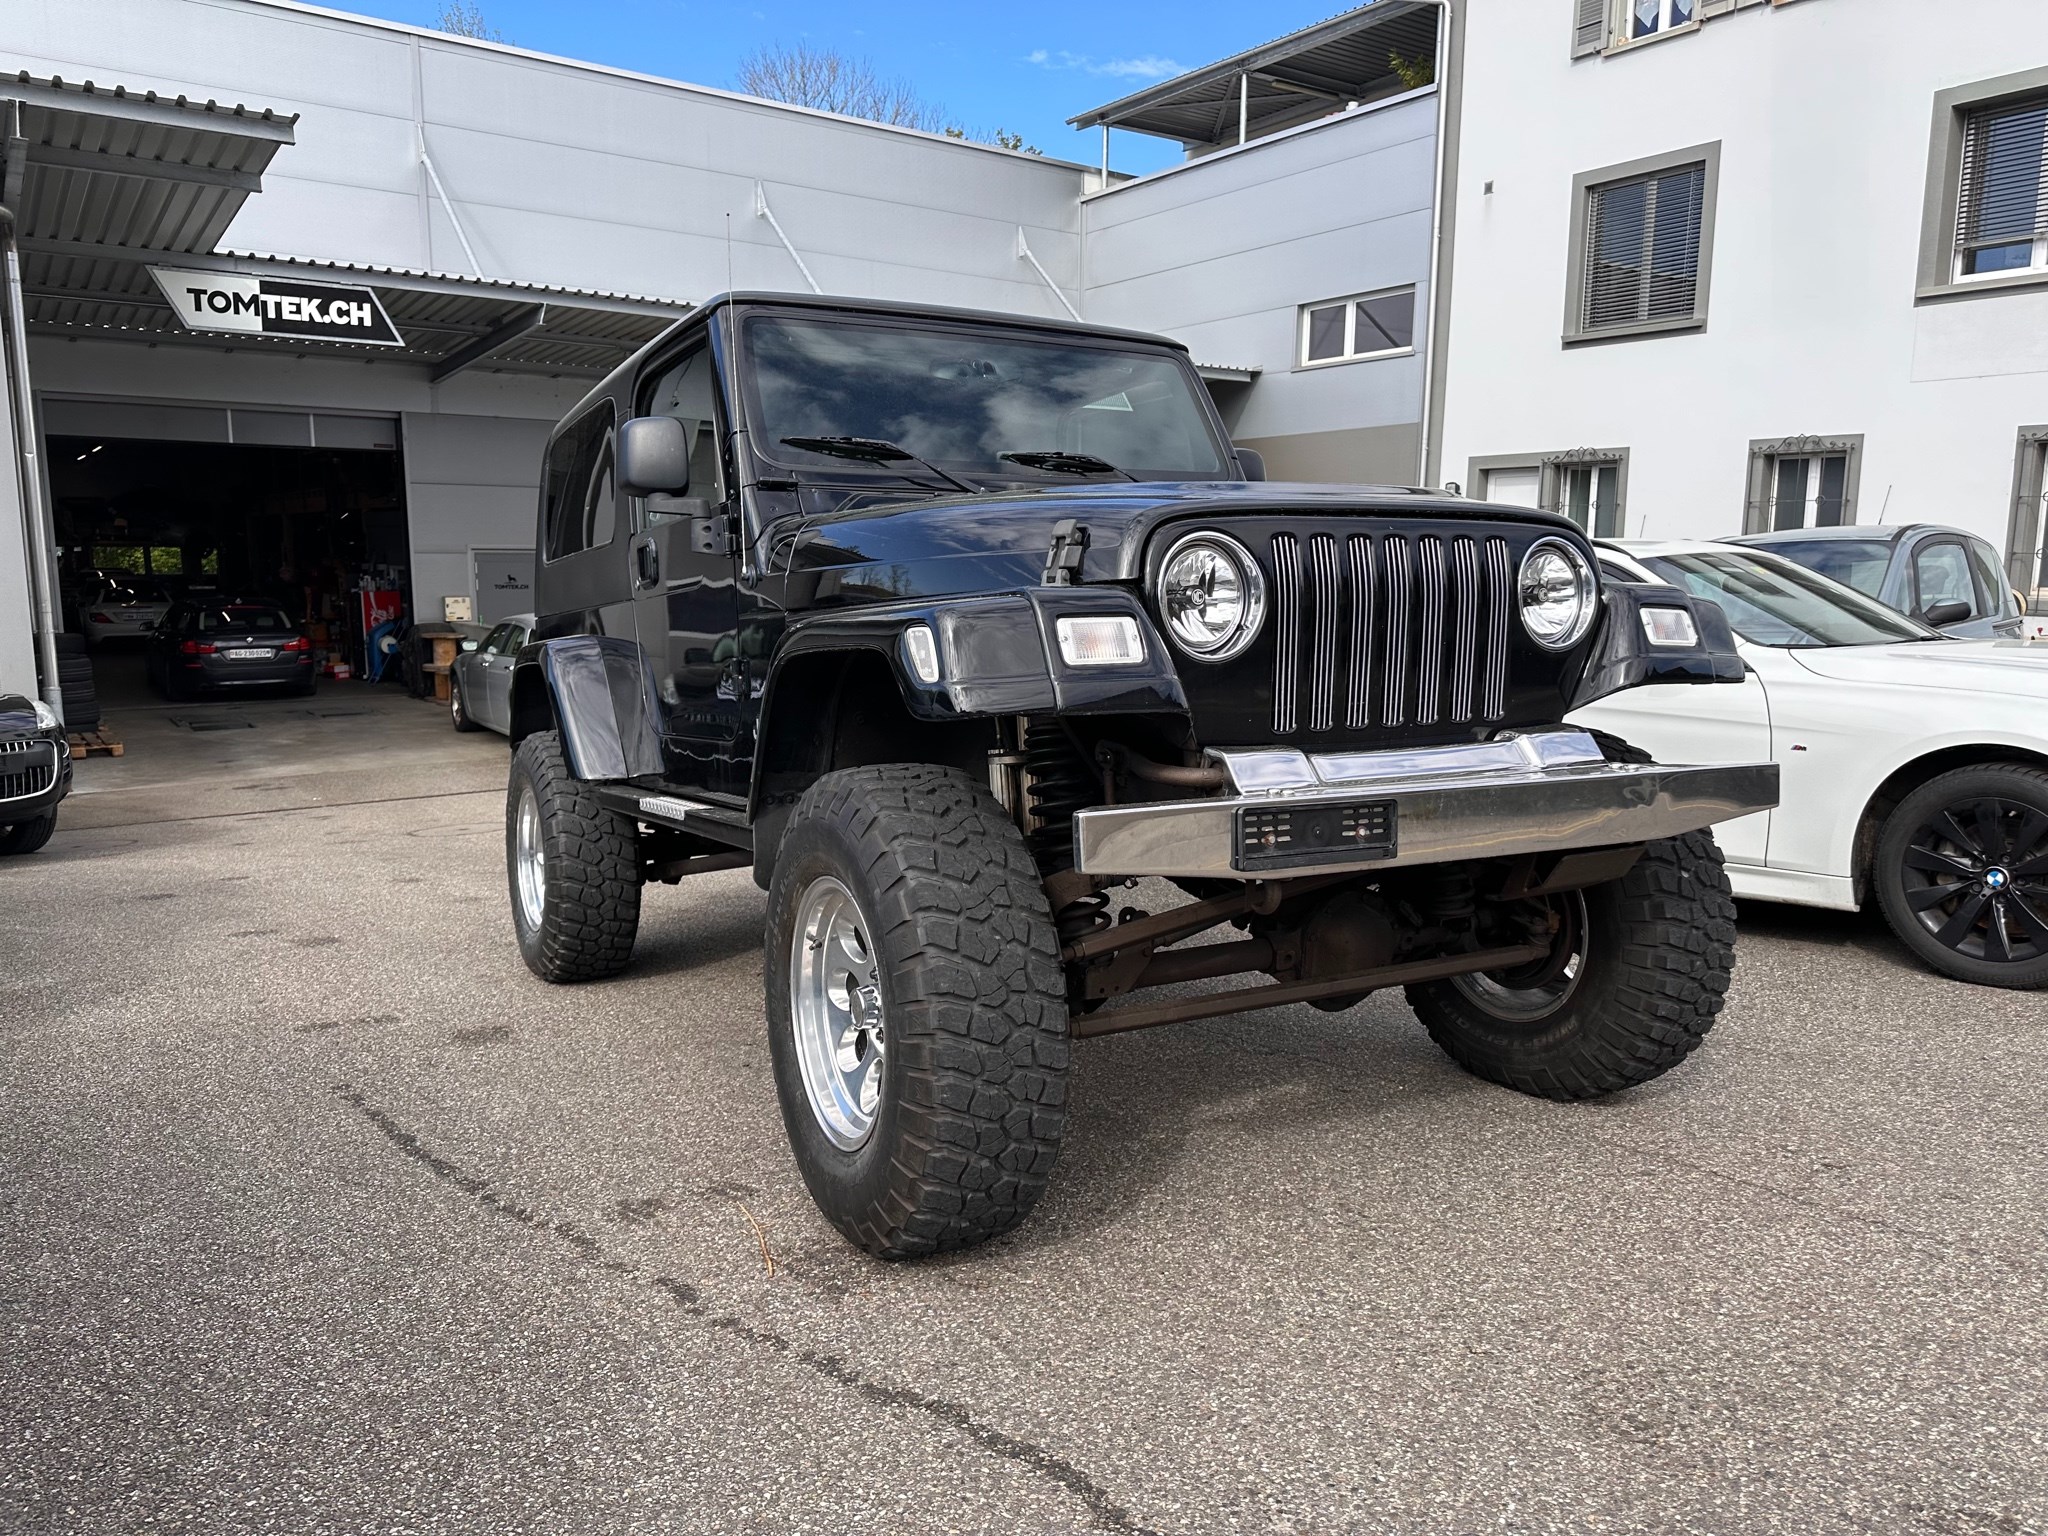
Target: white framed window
{"points": [[2002, 199], [1802, 482], [1651, 18], [1364, 325], [1587, 485]]}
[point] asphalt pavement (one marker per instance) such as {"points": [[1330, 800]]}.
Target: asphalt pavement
{"points": [[320, 1214]]}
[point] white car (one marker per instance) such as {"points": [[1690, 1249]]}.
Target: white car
{"points": [[1914, 767], [125, 610]]}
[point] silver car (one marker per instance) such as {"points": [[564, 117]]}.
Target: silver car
{"points": [[480, 681]]}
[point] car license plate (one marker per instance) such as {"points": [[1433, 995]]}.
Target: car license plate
{"points": [[249, 653]]}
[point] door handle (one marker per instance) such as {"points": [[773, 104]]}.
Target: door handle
{"points": [[646, 563]]}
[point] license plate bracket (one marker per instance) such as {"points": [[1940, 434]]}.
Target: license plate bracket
{"points": [[1340, 832], [250, 653]]}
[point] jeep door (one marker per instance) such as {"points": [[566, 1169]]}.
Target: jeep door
{"points": [[687, 594], [583, 583]]}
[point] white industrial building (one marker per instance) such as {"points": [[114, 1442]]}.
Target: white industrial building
{"points": [[526, 221], [1673, 267]]}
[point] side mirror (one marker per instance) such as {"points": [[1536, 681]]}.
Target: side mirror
{"points": [[653, 455], [1945, 613], [469, 645], [1251, 463]]}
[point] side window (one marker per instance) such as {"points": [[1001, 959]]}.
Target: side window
{"points": [[515, 639], [688, 390], [494, 642], [579, 509], [1941, 574], [1990, 581]]}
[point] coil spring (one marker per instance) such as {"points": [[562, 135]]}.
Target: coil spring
{"points": [[1059, 783], [1453, 896]]}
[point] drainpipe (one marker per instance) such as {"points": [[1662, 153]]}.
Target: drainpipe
{"points": [[39, 540], [1244, 104], [1444, 22]]}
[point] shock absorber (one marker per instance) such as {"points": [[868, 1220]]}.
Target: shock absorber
{"points": [[1058, 782], [1451, 897]]}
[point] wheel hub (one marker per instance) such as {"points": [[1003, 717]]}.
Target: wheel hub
{"points": [[837, 1014], [530, 861]]}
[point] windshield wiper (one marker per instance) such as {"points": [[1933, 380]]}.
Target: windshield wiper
{"points": [[1061, 463], [873, 450]]}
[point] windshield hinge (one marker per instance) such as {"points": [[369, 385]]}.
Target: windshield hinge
{"points": [[1063, 561]]}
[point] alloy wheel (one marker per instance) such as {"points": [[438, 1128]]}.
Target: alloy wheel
{"points": [[1530, 993], [1975, 876], [530, 861], [837, 1014]]}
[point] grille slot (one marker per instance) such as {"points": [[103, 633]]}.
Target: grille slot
{"points": [[1355, 619]]}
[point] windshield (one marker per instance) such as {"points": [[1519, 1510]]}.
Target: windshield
{"points": [[1774, 602], [1858, 563], [963, 398]]}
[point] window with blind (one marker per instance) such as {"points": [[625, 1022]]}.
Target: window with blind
{"points": [[2002, 209], [1642, 239]]}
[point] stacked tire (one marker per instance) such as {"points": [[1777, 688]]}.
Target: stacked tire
{"points": [[74, 676]]}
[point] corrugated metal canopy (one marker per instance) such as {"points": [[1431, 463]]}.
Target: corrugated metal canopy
{"points": [[120, 168], [109, 182], [538, 329], [1305, 75]]}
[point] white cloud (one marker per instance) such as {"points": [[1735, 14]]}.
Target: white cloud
{"points": [[1150, 66]]}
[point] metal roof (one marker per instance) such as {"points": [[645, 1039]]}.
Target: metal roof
{"points": [[115, 181], [1307, 74], [120, 168]]}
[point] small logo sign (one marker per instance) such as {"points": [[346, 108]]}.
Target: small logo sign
{"points": [[236, 305]]}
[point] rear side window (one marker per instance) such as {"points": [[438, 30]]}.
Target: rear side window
{"points": [[1942, 573], [1998, 601], [253, 619], [578, 509]]}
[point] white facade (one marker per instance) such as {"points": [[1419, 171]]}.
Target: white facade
{"points": [[1822, 112], [1224, 251]]}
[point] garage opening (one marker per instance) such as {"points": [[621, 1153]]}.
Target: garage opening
{"points": [[152, 503]]}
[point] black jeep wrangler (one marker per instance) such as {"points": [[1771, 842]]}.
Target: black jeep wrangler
{"points": [[949, 625]]}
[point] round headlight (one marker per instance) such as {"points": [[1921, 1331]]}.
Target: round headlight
{"points": [[1211, 596], [1559, 596]]}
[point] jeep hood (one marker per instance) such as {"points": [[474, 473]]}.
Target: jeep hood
{"points": [[983, 543]]}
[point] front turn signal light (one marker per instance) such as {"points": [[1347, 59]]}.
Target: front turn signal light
{"points": [[1100, 640]]}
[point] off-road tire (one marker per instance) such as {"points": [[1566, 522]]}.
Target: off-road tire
{"points": [[458, 711], [590, 909], [1659, 954], [2013, 782], [27, 836], [974, 1085]]}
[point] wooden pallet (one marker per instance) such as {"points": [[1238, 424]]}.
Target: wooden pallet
{"points": [[95, 744]]}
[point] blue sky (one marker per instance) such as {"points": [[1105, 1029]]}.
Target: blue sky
{"points": [[1026, 68]]}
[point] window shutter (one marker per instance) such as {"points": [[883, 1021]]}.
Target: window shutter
{"points": [[2005, 177], [1643, 249], [1589, 32], [1711, 8]]}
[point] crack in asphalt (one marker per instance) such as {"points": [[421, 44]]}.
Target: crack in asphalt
{"points": [[687, 1299]]}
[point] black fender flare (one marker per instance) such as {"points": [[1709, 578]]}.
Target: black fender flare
{"points": [[599, 692], [998, 655], [1623, 656]]}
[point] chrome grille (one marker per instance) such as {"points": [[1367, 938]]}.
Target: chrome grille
{"points": [[19, 779], [1357, 620]]}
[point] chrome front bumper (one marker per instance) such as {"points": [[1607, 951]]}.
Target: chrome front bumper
{"points": [[1295, 813]]}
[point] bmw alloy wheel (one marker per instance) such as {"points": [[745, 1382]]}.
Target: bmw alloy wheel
{"points": [[1976, 879]]}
